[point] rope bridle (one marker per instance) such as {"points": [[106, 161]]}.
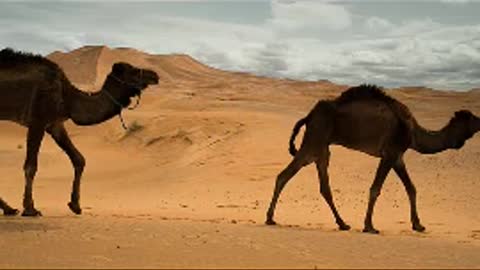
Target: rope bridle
{"points": [[115, 101]]}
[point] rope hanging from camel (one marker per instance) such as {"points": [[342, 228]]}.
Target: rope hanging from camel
{"points": [[121, 107], [125, 127]]}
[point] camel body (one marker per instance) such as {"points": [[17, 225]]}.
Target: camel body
{"points": [[365, 119], [348, 127], [36, 93]]}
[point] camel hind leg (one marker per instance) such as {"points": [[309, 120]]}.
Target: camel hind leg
{"points": [[34, 139], [7, 209], [322, 168], [300, 160], [384, 168]]}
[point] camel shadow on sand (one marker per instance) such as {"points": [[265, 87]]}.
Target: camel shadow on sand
{"points": [[20, 225]]}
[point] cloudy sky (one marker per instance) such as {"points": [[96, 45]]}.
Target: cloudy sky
{"points": [[390, 43]]}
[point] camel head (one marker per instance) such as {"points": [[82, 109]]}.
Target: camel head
{"points": [[463, 126], [136, 79]]}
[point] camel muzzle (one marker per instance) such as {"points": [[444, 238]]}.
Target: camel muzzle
{"points": [[150, 77]]}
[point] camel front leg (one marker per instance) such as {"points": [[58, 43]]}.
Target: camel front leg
{"points": [[382, 172], [34, 140], [60, 135]]}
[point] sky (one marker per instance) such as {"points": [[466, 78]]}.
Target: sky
{"points": [[390, 43]]}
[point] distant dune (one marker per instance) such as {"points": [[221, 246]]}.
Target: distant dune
{"points": [[190, 187]]}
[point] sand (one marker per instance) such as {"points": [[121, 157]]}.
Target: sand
{"points": [[190, 187]]}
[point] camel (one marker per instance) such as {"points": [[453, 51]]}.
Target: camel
{"points": [[35, 93], [366, 119]]}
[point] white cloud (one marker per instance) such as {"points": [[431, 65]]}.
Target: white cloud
{"points": [[303, 39], [456, 1], [308, 17], [415, 27], [377, 24]]}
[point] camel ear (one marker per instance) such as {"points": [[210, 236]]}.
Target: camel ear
{"points": [[118, 68]]}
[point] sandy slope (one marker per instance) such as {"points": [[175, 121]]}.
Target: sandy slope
{"points": [[190, 189]]}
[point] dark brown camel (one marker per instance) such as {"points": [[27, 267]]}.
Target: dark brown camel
{"points": [[364, 118], [35, 93]]}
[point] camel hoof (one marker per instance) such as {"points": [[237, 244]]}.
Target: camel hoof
{"points": [[270, 222], [344, 227], [75, 208], [31, 213], [418, 228], [371, 230], [10, 212]]}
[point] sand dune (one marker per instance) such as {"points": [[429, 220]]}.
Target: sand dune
{"points": [[190, 187]]}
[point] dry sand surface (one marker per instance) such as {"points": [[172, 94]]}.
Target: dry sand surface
{"points": [[190, 187]]}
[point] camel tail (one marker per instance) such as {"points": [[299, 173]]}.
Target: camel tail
{"points": [[296, 129]]}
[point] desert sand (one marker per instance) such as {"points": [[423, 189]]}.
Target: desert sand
{"points": [[190, 185]]}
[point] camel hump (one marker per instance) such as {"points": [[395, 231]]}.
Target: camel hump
{"points": [[368, 92], [10, 57], [363, 92]]}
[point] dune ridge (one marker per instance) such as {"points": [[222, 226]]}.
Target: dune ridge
{"points": [[190, 185]]}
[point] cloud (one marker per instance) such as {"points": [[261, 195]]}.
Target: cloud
{"points": [[377, 24], [456, 1], [270, 59], [413, 52], [295, 18], [308, 40]]}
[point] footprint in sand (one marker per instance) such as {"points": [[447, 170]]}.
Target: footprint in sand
{"points": [[464, 242], [99, 258], [475, 234], [231, 206]]}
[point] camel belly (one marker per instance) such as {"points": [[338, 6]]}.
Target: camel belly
{"points": [[365, 127]]}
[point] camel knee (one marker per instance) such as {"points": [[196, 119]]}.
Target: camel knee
{"points": [[280, 182], [80, 162], [30, 169], [374, 192], [325, 191], [286, 174], [411, 190]]}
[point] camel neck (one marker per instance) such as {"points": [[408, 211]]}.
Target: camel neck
{"points": [[95, 108], [429, 142]]}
